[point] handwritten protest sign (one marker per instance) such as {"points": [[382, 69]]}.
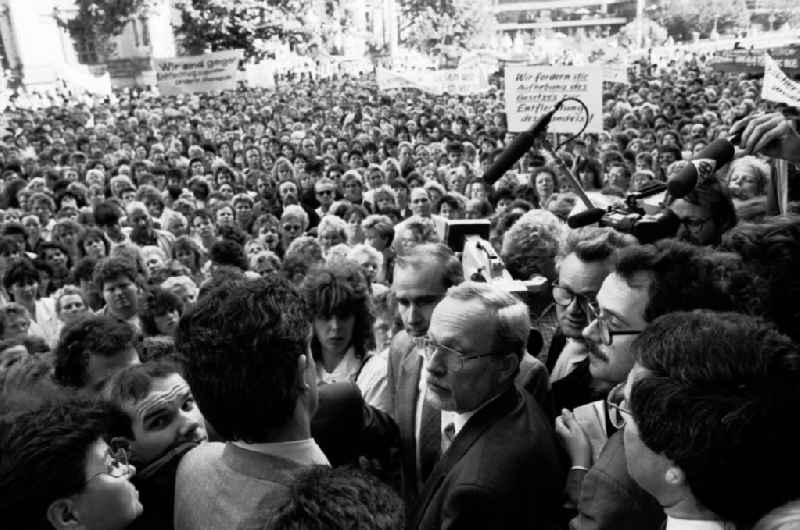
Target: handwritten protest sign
{"points": [[777, 86], [210, 72], [534, 90]]}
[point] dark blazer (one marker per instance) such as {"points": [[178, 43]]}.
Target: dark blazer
{"points": [[610, 499], [345, 427], [503, 470], [403, 375]]}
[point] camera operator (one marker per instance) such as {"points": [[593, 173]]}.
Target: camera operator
{"points": [[705, 213]]}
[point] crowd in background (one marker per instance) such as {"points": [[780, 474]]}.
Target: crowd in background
{"points": [[222, 311]]}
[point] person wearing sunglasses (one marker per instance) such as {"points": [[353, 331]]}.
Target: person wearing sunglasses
{"points": [[471, 356], [325, 192], [60, 469], [647, 281]]}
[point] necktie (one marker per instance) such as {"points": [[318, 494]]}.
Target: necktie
{"points": [[448, 434]]}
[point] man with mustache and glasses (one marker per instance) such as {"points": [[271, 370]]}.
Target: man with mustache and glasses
{"points": [[582, 263], [647, 281], [165, 423]]}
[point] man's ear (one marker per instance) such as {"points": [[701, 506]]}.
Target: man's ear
{"points": [[509, 366], [304, 371], [62, 514]]}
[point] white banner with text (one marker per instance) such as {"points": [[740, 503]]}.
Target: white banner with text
{"points": [[532, 91], [211, 72]]}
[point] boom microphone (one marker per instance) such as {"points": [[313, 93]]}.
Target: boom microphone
{"points": [[585, 218], [714, 156], [517, 149]]}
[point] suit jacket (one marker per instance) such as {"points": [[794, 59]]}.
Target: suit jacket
{"points": [[345, 427], [502, 470], [609, 497], [403, 374], [220, 485]]}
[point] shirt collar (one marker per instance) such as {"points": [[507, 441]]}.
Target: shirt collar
{"points": [[695, 524]]}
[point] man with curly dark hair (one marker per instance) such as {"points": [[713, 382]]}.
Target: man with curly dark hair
{"points": [[93, 349], [337, 499], [245, 349], [116, 278], [706, 409]]}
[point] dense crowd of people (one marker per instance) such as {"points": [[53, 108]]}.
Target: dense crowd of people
{"points": [[241, 311]]}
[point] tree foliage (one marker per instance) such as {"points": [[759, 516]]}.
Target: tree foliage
{"points": [[683, 17], [240, 24], [445, 24], [783, 12], [99, 20]]}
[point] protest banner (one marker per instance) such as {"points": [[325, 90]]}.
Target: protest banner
{"points": [[777, 86], [752, 61], [261, 75], [616, 73], [458, 82], [210, 72], [462, 81], [392, 80], [82, 78], [534, 90]]}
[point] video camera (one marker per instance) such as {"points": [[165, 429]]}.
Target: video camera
{"points": [[469, 239], [646, 222]]}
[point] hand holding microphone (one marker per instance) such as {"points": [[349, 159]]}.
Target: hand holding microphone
{"points": [[769, 134], [702, 167]]}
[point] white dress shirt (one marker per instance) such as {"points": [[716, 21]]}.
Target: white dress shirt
{"points": [[696, 524]]}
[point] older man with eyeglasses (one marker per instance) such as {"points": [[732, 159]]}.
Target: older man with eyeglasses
{"points": [[500, 467], [647, 281]]}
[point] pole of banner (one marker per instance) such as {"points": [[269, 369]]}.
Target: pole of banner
{"points": [[782, 185]]}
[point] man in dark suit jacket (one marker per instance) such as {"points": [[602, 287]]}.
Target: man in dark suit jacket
{"points": [[500, 467], [421, 280]]}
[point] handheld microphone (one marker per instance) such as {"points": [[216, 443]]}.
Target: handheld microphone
{"points": [[517, 149], [585, 218], [714, 156]]}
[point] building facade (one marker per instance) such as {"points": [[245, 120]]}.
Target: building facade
{"points": [[38, 49], [526, 19]]}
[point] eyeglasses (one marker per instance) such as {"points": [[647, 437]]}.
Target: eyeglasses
{"points": [[453, 359], [694, 225], [117, 461], [604, 327], [564, 297], [615, 404]]}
